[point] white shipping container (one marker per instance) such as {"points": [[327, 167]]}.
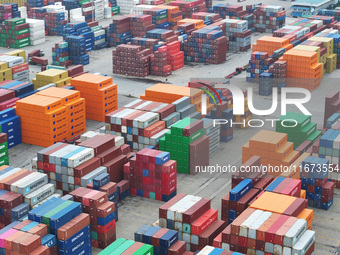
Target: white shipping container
{"points": [[37, 33], [80, 157], [14, 186], [39, 195], [248, 222], [206, 250], [34, 162], [252, 233], [278, 249], [54, 158], [305, 242], [179, 226], [31, 184], [295, 232], [12, 60], [88, 135], [194, 239], [23, 11], [191, 202], [162, 223], [37, 42], [126, 6], [133, 103], [139, 9], [171, 210], [116, 118], [87, 179], [143, 105], [43, 201]]}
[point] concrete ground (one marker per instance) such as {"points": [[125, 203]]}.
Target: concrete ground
{"points": [[134, 212]]}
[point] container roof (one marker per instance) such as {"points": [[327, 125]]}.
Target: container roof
{"points": [[314, 3]]}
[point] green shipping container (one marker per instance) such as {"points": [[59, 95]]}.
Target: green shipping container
{"points": [[14, 22], [63, 45], [94, 235], [146, 249], [47, 216], [162, 16], [301, 120], [21, 41], [109, 250], [20, 32], [55, 67], [115, 10], [96, 28], [126, 245], [4, 161], [4, 147]]}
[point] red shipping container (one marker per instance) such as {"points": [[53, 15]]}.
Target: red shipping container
{"points": [[293, 188], [269, 235], [202, 223]]}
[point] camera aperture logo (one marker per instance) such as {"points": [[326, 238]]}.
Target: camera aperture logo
{"points": [[239, 107]]}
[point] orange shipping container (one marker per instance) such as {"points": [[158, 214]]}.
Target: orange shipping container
{"points": [[272, 202], [91, 81], [307, 214]]}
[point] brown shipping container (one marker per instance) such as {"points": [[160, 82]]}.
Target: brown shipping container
{"points": [[109, 154], [11, 200], [226, 234], [207, 237], [99, 143], [40, 230], [193, 128], [30, 244], [87, 167], [243, 203], [16, 243], [115, 168], [42, 250], [177, 249], [7, 184], [296, 207], [9, 240], [79, 193], [105, 209], [109, 188], [197, 210], [73, 226], [98, 199], [264, 182], [107, 236]]}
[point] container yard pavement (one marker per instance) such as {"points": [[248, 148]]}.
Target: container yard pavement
{"points": [[213, 186]]}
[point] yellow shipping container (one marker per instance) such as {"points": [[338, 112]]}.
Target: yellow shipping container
{"points": [[6, 72], [323, 59], [5, 78], [3, 66], [331, 63], [323, 70], [327, 42], [17, 53], [52, 75], [38, 84], [64, 82]]}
